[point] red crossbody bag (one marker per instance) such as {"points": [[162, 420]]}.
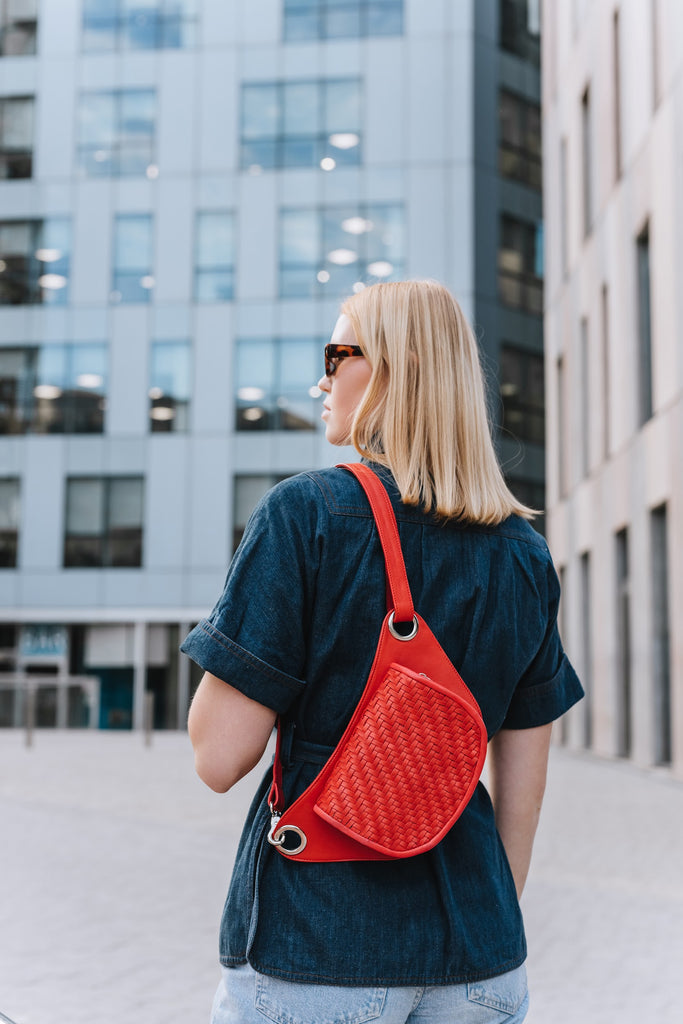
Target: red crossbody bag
{"points": [[411, 756]]}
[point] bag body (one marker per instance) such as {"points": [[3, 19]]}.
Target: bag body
{"points": [[413, 751]]}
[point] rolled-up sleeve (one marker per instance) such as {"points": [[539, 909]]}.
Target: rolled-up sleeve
{"points": [[254, 637], [549, 686]]}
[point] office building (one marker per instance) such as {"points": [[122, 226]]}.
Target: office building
{"points": [[189, 187], [613, 100]]}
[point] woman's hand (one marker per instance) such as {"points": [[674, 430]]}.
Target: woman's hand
{"points": [[229, 732], [518, 760]]}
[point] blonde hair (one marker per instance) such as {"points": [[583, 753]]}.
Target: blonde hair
{"points": [[423, 414]]}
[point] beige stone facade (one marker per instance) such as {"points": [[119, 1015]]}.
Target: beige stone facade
{"points": [[613, 171]]}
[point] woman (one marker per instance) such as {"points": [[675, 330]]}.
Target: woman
{"points": [[437, 937]]}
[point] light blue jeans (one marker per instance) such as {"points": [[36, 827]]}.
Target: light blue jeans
{"points": [[246, 997]]}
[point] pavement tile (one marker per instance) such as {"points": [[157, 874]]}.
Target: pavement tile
{"points": [[115, 860]]}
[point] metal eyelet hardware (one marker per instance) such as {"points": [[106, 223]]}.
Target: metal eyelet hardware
{"points": [[278, 836], [400, 636]]}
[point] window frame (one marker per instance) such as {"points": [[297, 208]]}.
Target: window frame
{"points": [[282, 141], [120, 147], [103, 537], [328, 221], [321, 20]]}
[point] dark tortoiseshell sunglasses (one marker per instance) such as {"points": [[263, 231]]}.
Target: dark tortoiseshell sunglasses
{"points": [[334, 355]]}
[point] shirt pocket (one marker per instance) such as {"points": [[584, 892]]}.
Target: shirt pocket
{"points": [[290, 1002]]}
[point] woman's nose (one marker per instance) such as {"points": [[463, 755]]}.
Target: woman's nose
{"points": [[324, 383]]}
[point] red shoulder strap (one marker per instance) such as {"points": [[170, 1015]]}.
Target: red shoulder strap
{"points": [[402, 601]]}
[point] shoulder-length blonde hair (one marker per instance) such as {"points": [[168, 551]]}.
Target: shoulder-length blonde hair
{"points": [[423, 414]]}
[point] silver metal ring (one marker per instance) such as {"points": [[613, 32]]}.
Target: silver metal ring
{"points": [[278, 839], [400, 636]]}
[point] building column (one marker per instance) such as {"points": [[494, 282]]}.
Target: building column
{"points": [[183, 679], [139, 673]]}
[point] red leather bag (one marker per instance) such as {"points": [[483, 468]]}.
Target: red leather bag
{"points": [[411, 756]]}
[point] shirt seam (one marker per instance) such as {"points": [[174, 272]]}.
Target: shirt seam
{"points": [[248, 658], [315, 977], [335, 507]]}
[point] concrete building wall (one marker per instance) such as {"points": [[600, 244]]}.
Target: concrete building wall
{"points": [[611, 465]]}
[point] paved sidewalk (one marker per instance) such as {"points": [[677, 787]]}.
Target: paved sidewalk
{"points": [[114, 862]]}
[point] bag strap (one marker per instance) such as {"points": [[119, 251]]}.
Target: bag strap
{"points": [[401, 598]]}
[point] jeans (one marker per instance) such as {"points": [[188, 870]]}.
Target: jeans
{"points": [[246, 997]]}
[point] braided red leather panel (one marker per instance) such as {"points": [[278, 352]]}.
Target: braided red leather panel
{"points": [[381, 790]]}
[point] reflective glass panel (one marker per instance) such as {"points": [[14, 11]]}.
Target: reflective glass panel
{"points": [[170, 386]]}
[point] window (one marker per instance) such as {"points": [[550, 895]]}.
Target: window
{"points": [[587, 165], [132, 279], [170, 386], [520, 265], [616, 71], [34, 261], [116, 132], [587, 643], [532, 494], [520, 29], [519, 152], [214, 275], [584, 397], [301, 124], [16, 137], [645, 404], [103, 522], [564, 208], [523, 393], [661, 634], [53, 389], [656, 64], [248, 492], [9, 522], [623, 617], [275, 383], [604, 321], [563, 481], [139, 25], [18, 27], [339, 19], [328, 252]]}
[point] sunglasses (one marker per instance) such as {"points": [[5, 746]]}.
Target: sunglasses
{"points": [[334, 355]]}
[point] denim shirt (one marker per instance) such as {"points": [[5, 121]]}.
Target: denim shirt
{"points": [[296, 629]]}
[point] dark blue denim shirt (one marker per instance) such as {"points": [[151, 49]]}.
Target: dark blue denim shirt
{"points": [[296, 629]]}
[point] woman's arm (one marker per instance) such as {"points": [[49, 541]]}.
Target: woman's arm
{"points": [[518, 760], [229, 732]]}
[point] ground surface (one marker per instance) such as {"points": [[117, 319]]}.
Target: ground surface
{"points": [[114, 862]]}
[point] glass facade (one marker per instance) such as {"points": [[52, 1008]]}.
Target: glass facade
{"points": [[519, 147], [276, 383], [132, 278], [16, 137], [9, 522], [116, 132], [53, 389], [214, 265], [520, 264], [170, 386], [18, 27], [301, 124], [341, 19], [104, 517], [523, 394], [34, 261], [139, 24], [330, 251], [520, 29]]}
